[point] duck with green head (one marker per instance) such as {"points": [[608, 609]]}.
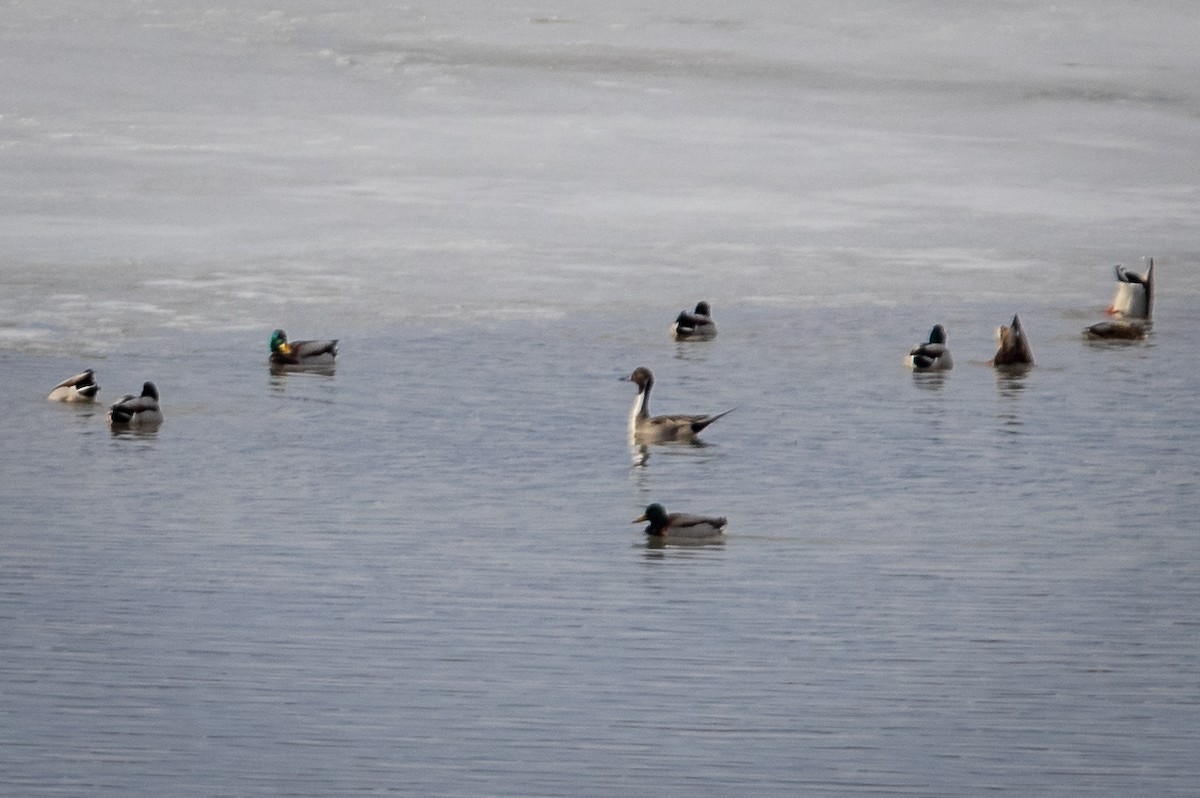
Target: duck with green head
{"points": [[683, 526], [301, 353]]}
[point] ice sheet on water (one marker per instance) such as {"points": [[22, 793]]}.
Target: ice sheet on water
{"points": [[223, 164]]}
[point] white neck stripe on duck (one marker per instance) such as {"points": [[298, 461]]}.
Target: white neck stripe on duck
{"points": [[644, 380]]}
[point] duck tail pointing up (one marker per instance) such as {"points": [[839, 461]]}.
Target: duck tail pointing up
{"points": [[701, 423]]}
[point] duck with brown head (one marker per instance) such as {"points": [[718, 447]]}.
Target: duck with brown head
{"points": [[644, 428]]}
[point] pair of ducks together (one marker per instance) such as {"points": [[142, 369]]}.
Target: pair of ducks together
{"points": [[1012, 349], [131, 411], [143, 412], [678, 428], [1133, 300]]}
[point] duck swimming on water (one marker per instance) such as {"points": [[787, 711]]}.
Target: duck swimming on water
{"points": [[301, 353], [140, 411], [933, 355], [644, 428], [698, 325], [680, 526]]}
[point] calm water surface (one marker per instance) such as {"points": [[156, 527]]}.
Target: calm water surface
{"points": [[418, 575]]}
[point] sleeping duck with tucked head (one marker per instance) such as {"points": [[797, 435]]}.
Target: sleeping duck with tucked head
{"points": [[80, 388], [697, 325], [301, 353], [681, 526], [644, 428], [933, 355], [137, 411]]}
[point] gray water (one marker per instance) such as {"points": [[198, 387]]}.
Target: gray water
{"points": [[418, 575]]}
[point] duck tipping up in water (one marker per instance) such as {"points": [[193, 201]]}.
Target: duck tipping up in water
{"points": [[644, 428], [1135, 292], [695, 326], [139, 411], [80, 388], [1115, 331], [931, 356], [301, 353], [1012, 347], [680, 526]]}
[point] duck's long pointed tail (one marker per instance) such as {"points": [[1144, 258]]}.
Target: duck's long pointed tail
{"points": [[701, 423]]}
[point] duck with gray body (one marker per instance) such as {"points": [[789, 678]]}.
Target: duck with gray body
{"points": [[683, 526], [697, 325], [80, 388], [932, 355], [301, 353], [137, 411], [644, 428]]}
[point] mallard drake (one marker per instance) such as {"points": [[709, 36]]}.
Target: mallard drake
{"points": [[1115, 331], [1012, 347], [694, 326], [682, 526], [301, 353], [643, 428], [137, 411], [1135, 292], [933, 355], [80, 388]]}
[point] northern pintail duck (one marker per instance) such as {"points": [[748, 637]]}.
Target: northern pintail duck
{"points": [[644, 428], [1115, 331], [80, 388], [680, 526], [697, 325], [1135, 292], [1012, 346], [137, 411], [933, 355], [301, 353]]}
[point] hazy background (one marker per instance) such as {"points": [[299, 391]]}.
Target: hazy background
{"points": [[417, 575]]}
